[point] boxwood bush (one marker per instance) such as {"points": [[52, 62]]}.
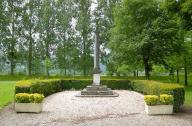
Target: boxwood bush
{"points": [[166, 99], [28, 98], [151, 99], [50, 86], [163, 99]]}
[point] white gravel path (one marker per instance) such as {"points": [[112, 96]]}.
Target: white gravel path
{"points": [[64, 109]]}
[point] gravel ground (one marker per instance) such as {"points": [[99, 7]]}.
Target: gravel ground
{"points": [[64, 109]]}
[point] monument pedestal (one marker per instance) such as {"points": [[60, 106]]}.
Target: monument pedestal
{"points": [[97, 91]]}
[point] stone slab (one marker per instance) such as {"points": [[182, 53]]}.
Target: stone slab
{"points": [[100, 95]]}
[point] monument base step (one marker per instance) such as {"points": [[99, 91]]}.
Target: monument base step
{"points": [[97, 91], [113, 95]]}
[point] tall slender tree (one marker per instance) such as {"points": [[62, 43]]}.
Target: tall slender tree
{"points": [[29, 30], [11, 10], [84, 29]]}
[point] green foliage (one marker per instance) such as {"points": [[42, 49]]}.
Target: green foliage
{"points": [[156, 88], [48, 63], [28, 98], [123, 69], [158, 69], [151, 99], [166, 99], [186, 12]]}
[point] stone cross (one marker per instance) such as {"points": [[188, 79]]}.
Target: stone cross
{"points": [[96, 70]]}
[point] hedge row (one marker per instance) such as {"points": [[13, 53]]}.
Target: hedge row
{"points": [[156, 88], [48, 87]]}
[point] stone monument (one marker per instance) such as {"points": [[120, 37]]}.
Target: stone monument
{"points": [[96, 89]]}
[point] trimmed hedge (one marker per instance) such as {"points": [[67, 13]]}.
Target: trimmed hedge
{"points": [[148, 87], [48, 87]]}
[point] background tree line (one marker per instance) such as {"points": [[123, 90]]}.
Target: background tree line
{"points": [[43, 36]]}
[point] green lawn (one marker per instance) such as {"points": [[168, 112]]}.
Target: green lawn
{"points": [[188, 96], [6, 92]]}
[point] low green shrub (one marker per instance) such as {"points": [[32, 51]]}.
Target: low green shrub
{"points": [[22, 98], [28, 98], [163, 99], [151, 99], [116, 84], [166, 99], [75, 84]]}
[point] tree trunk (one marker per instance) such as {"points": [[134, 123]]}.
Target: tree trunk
{"points": [[30, 56], [12, 54], [73, 72], [147, 68], [185, 70], [84, 57], [137, 73], [177, 75], [12, 67], [171, 73], [30, 52], [47, 54]]}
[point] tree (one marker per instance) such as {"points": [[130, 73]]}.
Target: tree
{"points": [[2, 34], [29, 29], [11, 27], [175, 63], [67, 51], [47, 33], [83, 26], [143, 28], [182, 8]]}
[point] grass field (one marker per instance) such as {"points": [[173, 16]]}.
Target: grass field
{"points": [[7, 86], [188, 96], [6, 92]]}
